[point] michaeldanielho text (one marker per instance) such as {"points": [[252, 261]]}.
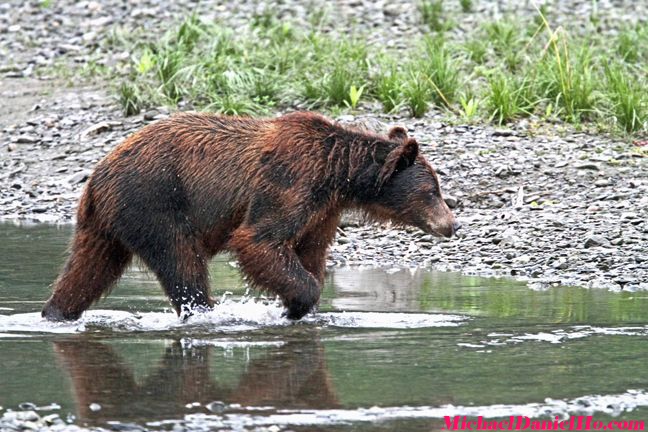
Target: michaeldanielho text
{"points": [[523, 422]]}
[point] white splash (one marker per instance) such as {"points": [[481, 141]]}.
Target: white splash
{"points": [[562, 335], [227, 344], [391, 320], [228, 316]]}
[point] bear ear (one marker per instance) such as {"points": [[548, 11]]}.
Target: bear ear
{"points": [[397, 133], [398, 159]]}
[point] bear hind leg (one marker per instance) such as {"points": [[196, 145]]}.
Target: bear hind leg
{"points": [[94, 265], [180, 265]]}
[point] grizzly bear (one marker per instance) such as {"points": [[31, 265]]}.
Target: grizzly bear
{"points": [[270, 191]]}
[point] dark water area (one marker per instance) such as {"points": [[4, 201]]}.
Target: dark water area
{"points": [[389, 349]]}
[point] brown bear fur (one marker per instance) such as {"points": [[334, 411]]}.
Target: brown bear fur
{"points": [[270, 191]]}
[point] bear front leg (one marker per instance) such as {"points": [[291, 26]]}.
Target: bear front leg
{"points": [[274, 266], [312, 248]]}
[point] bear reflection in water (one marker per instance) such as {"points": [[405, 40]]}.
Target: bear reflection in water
{"points": [[292, 375]]}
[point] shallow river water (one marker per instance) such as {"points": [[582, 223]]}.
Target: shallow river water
{"points": [[389, 349]]}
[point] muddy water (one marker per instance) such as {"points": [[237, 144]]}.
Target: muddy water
{"points": [[389, 350]]}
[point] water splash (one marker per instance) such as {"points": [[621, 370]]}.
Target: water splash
{"points": [[559, 335], [229, 315], [227, 344], [393, 320]]}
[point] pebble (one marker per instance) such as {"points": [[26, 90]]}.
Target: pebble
{"points": [[587, 166], [451, 201], [503, 132], [27, 139], [216, 406], [595, 240], [79, 177], [560, 264], [20, 416], [96, 128]]}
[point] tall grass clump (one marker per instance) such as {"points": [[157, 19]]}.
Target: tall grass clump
{"points": [[432, 77], [628, 100], [349, 69], [508, 97], [504, 37], [416, 92], [631, 44], [476, 49], [441, 69], [566, 76], [626, 46], [333, 68], [432, 15], [466, 5], [169, 64], [388, 85], [129, 99], [567, 80]]}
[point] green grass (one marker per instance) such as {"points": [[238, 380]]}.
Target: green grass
{"points": [[129, 99], [416, 92], [566, 79], [628, 103], [508, 98], [440, 69], [388, 85], [501, 71], [466, 5], [504, 36], [631, 44], [476, 49], [432, 15]]}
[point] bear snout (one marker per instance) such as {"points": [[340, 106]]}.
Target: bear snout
{"points": [[450, 230], [444, 225]]}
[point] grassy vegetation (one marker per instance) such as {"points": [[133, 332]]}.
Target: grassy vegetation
{"points": [[502, 71], [432, 15]]}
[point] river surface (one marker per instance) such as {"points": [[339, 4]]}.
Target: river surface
{"points": [[389, 349]]}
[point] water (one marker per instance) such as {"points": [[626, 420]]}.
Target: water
{"points": [[389, 350]]}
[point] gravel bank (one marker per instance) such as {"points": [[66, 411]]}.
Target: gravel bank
{"points": [[537, 201]]}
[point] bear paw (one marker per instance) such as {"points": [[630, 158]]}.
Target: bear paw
{"points": [[52, 313], [299, 306]]}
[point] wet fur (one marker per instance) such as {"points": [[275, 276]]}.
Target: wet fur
{"points": [[270, 191]]}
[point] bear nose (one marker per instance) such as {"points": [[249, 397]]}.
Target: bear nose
{"points": [[456, 226]]}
